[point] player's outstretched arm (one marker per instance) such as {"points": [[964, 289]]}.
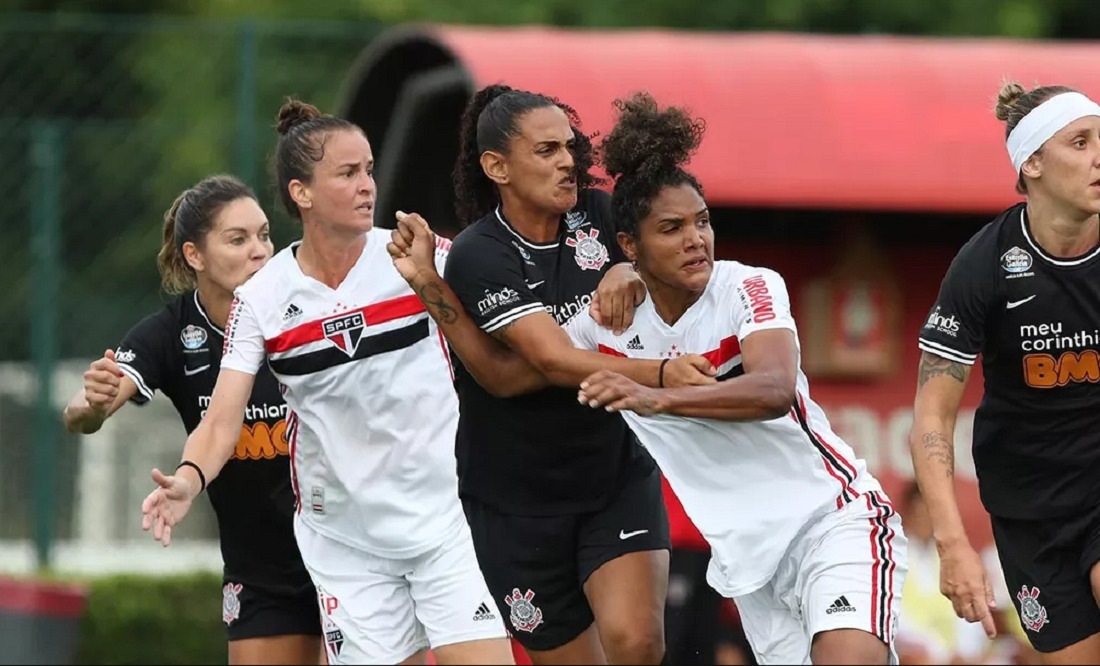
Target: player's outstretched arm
{"points": [[207, 450]]}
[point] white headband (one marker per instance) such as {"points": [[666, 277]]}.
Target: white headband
{"points": [[1044, 121]]}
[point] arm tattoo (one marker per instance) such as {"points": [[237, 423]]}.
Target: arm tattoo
{"points": [[501, 333], [937, 446], [932, 365], [432, 297]]}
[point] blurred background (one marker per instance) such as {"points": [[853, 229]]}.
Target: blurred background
{"points": [[851, 146]]}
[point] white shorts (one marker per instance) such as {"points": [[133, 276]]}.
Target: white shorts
{"points": [[844, 572], [377, 610]]}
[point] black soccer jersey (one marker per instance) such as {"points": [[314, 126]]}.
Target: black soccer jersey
{"points": [[542, 453], [178, 351], [1035, 320]]}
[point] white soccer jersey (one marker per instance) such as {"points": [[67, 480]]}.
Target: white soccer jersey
{"points": [[373, 413], [750, 487]]}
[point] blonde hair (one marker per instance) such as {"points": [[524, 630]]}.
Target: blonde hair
{"points": [[1014, 102]]}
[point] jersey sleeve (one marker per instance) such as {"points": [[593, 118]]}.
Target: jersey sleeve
{"points": [[144, 355], [583, 331], [761, 303], [487, 276], [442, 250], [955, 328], [244, 339]]}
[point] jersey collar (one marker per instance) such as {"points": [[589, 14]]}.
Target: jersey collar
{"points": [[202, 311], [1065, 263], [519, 237]]}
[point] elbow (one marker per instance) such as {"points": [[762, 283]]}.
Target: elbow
{"points": [[777, 399]]}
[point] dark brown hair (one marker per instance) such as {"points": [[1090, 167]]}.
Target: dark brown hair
{"points": [[303, 130], [490, 121], [190, 219], [645, 153]]}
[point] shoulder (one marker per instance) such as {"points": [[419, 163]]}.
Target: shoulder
{"points": [[593, 208], [274, 273], [996, 242], [169, 318], [744, 276], [471, 244]]}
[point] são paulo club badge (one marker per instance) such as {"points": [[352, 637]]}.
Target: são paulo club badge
{"points": [[590, 253]]}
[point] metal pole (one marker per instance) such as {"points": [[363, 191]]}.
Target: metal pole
{"points": [[248, 55], [46, 188]]}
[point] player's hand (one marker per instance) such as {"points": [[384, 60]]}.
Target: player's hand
{"points": [[689, 370], [101, 384], [964, 581], [619, 292], [166, 506], [412, 247], [616, 393]]}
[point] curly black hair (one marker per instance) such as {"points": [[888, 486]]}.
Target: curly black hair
{"points": [[492, 118], [644, 154]]}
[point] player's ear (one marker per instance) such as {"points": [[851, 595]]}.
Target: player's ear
{"points": [[193, 256], [300, 194], [627, 243], [495, 166]]}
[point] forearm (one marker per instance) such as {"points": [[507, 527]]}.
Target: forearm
{"points": [[932, 446], [210, 446], [80, 417], [568, 366], [750, 397], [498, 369]]}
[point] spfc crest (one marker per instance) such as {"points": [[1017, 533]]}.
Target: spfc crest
{"points": [[345, 331]]}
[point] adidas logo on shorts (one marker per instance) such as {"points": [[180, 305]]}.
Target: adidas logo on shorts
{"points": [[635, 344], [841, 605], [483, 613]]}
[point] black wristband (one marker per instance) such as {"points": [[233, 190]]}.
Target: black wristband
{"points": [[198, 470], [661, 374]]}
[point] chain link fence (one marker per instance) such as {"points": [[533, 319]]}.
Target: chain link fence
{"points": [[103, 120]]}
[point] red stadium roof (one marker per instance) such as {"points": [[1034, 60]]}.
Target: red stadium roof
{"points": [[802, 121]]}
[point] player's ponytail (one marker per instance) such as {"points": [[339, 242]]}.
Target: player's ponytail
{"points": [[645, 152], [189, 220], [490, 120]]}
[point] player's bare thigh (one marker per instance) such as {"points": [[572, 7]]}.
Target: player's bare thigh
{"points": [[291, 649]]}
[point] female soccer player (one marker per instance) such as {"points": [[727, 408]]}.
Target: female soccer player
{"points": [[372, 419], [802, 537], [1024, 293], [215, 237]]}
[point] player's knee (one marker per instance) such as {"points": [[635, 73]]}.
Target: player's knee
{"points": [[635, 643], [848, 646]]}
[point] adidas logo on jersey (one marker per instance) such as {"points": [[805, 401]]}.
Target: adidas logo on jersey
{"points": [[483, 613], [635, 344], [841, 605], [292, 312]]}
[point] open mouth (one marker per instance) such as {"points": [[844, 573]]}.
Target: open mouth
{"points": [[365, 207], [696, 264]]}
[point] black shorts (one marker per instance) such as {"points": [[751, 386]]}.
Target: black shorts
{"points": [[251, 611], [536, 566], [1046, 565]]}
